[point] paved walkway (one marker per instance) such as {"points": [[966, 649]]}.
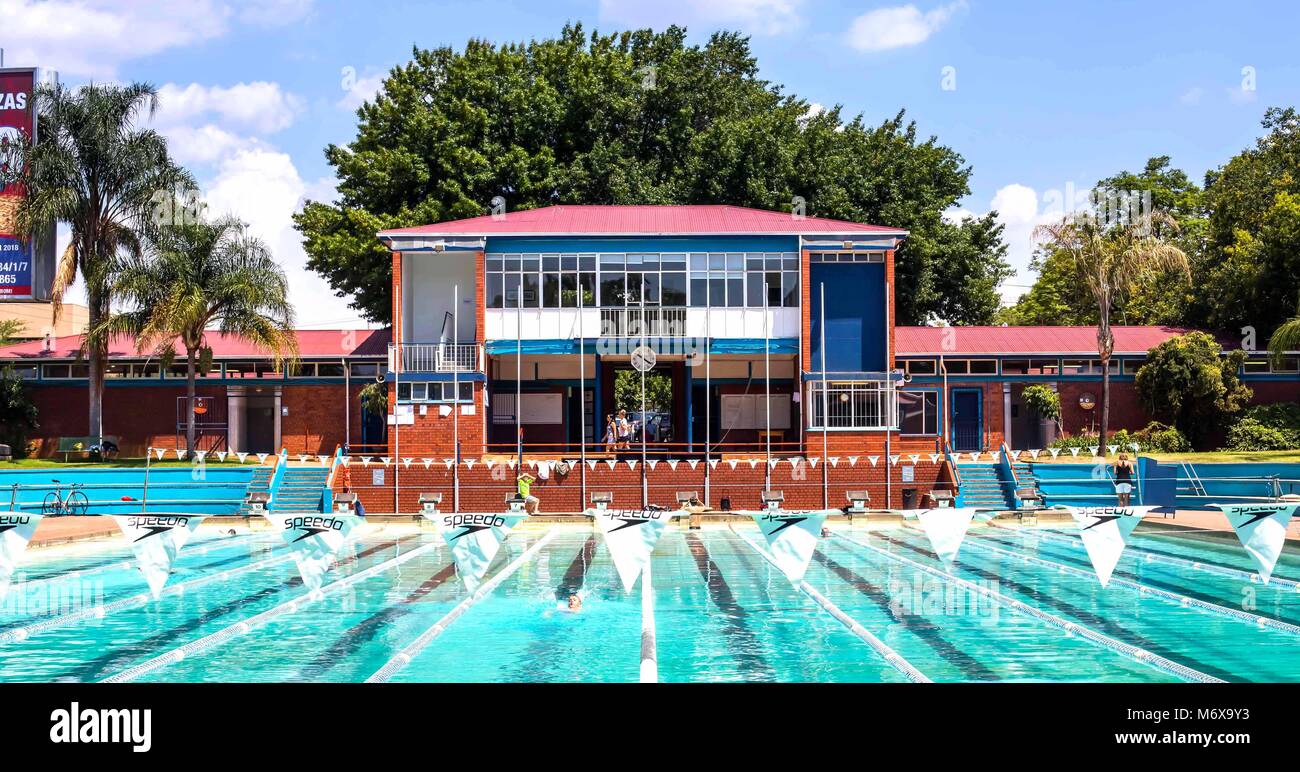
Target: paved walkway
{"points": [[1216, 521], [61, 530]]}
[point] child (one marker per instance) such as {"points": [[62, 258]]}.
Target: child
{"points": [[532, 504]]}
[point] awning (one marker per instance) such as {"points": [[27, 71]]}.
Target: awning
{"points": [[748, 346], [754, 346], [535, 347]]}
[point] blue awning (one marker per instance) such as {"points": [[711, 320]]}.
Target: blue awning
{"points": [[535, 347], [754, 346]]}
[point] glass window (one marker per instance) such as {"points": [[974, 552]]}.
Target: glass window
{"points": [[366, 369], [956, 366], [532, 290], [920, 367], [983, 367], [551, 290], [329, 370], [860, 405], [918, 412], [673, 289]]}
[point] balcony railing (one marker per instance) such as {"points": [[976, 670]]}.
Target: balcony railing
{"points": [[436, 358], [649, 321]]}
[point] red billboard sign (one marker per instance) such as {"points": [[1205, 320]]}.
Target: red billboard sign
{"points": [[17, 127]]}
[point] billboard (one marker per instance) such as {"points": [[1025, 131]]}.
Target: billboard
{"points": [[17, 125]]}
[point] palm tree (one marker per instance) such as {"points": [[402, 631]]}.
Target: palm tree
{"points": [[201, 277], [96, 171], [1109, 261], [1286, 337]]}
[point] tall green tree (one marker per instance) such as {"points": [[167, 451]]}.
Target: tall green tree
{"points": [[198, 278], [99, 173], [1186, 382], [18, 413], [1108, 258], [638, 118]]}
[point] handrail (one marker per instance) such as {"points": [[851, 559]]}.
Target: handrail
{"points": [[277, 477], [952, 465], [327, 494]]}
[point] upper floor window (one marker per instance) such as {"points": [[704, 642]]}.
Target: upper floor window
{"points": [[435, 392], [611, 280], [65, 371], [1031, 366], [367, 369], [1288, 364], [851, 405], [317, 370], [970, 366], [846, 257], [920, 367], [1087, 367]]}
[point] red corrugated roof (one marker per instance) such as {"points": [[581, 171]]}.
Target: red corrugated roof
{"points": [[311, 344], [642, 221], [912, 341]]}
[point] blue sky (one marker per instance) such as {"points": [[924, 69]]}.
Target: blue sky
{"points": [[1048, 97]]}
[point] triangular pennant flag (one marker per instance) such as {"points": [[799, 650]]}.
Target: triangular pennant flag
{"points": [[386, 460], [994, 455], [489, 463], [314, 541], [794, 462], [261, 457], [945, 528], [730, 462], [753, 462], [221, 455], [651, 462], [1261, 529], [302, 458], [915, 457], [975, 455], [631, 464], [813, 461], [791, 538], [833, 461], [773, 462], [241, 457], [532, 464], [160, 452], [1054, 451], [365, 460], [672, 464], [713, 464], [200, 454], [469, 463], [428, 462], [853, 460], [692, 463], [323, 460], [611, 463], [449, 462], [934, 457], [893, 460], [180, 453], [406, 462], [345, 460], [1033, 453], [1111, 449], [631, 535], [156, 540], [1093, 449], [592, 464], [16, 530], [1105, 532], [475, 538], [1074, 452], [1015, 455], [511, 463]]}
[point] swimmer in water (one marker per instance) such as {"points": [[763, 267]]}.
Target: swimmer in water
{"points": [[575, 602]]}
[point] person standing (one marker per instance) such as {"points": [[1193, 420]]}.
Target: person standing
{"points": [[1123, 479]]}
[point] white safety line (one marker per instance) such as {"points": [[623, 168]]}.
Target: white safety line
{"points": [[1149, 557], [1073, 628], [99, 612], [245, 626], [404, 657], [1172, 597], [895, 659], [649, 647]]}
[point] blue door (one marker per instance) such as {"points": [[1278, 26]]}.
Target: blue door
{"points": [[967, 420]]}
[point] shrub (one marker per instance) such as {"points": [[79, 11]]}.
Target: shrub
{"points": [[1250, 434], [1154, 438], [1186, 382], [17, 412]]}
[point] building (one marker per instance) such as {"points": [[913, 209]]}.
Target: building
{"points": [[34, 319], [244, 402]]}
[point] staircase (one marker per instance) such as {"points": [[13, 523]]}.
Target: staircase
{"points": [[261, 482], [300, 489], [982, 487], [1025, 477]]}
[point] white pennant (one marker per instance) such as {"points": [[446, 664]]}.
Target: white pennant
{"points": [[812, 461], [1074, 452], [428, 462], [386, 460], [323, 460], [893, 460], [449, 462], [791, 538], [650, 462], [1054, 451], [156, 540], [180, 453], [730, 462], [592, 464], [1093, 449], [406, 462], [241, 456], [1015, 455], [672, 464], [16, 531], [975, 455], [631, 535], [692, 463], [345, 460], [1105, 532], [934, 457], [469, 463], [853, 460], [475, 538], [834, 461], [946, 528], [221, 455], [1033, 453], [302, 458], [915, 457], [1111, 449], [794, 462], [713, 464], [753, 462], [200, 454], [1261, 529], [261, 457], [160, 452], [314, 540], [611, 463], [994, 455], [511, 463], [631, 464], [489, 463], [772, 464]]}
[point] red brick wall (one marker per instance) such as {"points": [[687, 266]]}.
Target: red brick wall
{"points": [[433, 434], [317, 417], [1125, 410], [484, 489]]}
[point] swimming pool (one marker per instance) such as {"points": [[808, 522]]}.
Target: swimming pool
{"points": [[1020, 604]]}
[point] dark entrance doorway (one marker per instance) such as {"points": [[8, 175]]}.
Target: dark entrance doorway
{"points": [[967, 420], [259, 427]]}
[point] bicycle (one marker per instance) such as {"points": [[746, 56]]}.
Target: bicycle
{"points": [[76, 502]]}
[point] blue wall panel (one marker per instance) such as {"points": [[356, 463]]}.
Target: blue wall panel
{"points": [[856, 337]]}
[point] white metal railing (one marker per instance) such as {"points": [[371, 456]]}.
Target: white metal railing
{"points": [[854, 405], [652, 321], [436, 358]]}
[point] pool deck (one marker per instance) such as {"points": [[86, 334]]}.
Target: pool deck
{"points": [[63, 530]]}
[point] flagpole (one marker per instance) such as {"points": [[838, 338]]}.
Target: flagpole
{"points": [[826, 415], [582, 398], [767, 386], [645, 484], [708, 392], [455, 399], [519, 374]]}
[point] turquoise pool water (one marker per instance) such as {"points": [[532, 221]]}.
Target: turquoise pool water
{"points": [[210, 490], [720, 612]]}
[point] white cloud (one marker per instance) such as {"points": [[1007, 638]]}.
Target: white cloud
{"points": [[899, 26], [92, 38], [1019, 212], [264, 188], [762, 17], [260, 106], [203, 145]]}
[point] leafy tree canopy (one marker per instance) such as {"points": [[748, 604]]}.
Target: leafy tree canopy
{"points": [[638, 118], [1185, 382]]}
